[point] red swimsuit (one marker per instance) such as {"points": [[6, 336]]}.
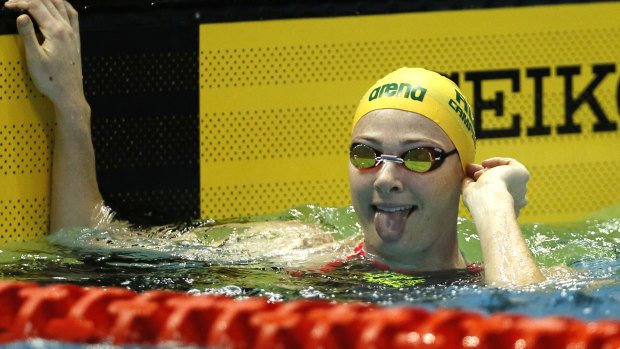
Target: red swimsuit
{"points": [[360, 253]]}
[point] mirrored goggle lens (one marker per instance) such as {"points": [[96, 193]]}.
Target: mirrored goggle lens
{"points": [[418, 160], [362, 157]]}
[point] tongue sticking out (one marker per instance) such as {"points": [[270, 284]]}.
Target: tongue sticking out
{"points": [[390, 225]]}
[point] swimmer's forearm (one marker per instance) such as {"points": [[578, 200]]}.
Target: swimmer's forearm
{"points": [[507, 259], [55, 67], [75, 193]]}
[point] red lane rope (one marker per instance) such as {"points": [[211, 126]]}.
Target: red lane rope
{"points": [[112, 315]]}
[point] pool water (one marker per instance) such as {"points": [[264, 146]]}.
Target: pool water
{"points": [[276, 256]]}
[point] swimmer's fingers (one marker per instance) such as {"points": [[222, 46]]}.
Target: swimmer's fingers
{"points": [[50, 6], [511, 170], [498, 161], [26, 31], [514, 171], [55, 65], [58, 8], [73, 19], [50, 15], [472, 169], [37, 9], [515, 176], [75, 24], [507, 172]]}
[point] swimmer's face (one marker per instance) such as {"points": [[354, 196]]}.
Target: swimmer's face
{"points": [[425, 205]]}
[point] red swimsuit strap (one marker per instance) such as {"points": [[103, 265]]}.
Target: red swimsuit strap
{"points": [[359, 252]]}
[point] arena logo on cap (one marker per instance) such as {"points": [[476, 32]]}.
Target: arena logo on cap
{"points": [[393, 89]]}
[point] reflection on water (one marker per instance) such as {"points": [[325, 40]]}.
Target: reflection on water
{"points": [[260, 256]]}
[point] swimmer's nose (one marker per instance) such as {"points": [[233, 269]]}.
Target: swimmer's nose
{"points": [[388, 178]]}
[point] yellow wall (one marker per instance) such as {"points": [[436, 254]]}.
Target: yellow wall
{"points": [[26, 127], [277, 98]]}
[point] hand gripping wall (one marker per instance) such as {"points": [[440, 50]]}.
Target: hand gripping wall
{"points": [[111, 315]]}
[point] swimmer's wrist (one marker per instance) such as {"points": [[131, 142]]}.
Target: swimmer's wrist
{"points": [[72, 108], [73, 122], [72, 103], [493, 197]]}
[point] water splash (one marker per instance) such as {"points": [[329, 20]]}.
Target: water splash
{"points": [[236, 258]]}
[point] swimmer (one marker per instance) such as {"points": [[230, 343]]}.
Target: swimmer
{"points": [[412, 153], [411, 158]]}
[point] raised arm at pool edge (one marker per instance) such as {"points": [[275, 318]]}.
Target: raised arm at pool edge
{"points": [[56, 69]]}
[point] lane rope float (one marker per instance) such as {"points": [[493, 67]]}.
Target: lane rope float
{"points": [[71, 313]]}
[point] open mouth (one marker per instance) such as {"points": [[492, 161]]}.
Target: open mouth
{"points": [[392, 209]]}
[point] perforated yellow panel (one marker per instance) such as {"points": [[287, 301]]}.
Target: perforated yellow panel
{"points": [[26, 127], [277, 97], [282, 157]]}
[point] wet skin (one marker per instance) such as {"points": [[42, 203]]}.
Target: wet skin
{"points": [[409, 219]]}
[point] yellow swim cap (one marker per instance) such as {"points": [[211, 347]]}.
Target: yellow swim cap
{"points": [[431, 95]]}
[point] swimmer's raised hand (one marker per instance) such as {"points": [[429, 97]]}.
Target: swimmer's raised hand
{"points": [[55, 63], [494, 192], [55, 67], [483, 182]]}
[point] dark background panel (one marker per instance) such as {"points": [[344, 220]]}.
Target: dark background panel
{"points": [[141, 83], [159, 14], [200, 11]]}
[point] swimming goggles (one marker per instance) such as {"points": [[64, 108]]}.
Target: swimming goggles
{"points": [[420, 160]]}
